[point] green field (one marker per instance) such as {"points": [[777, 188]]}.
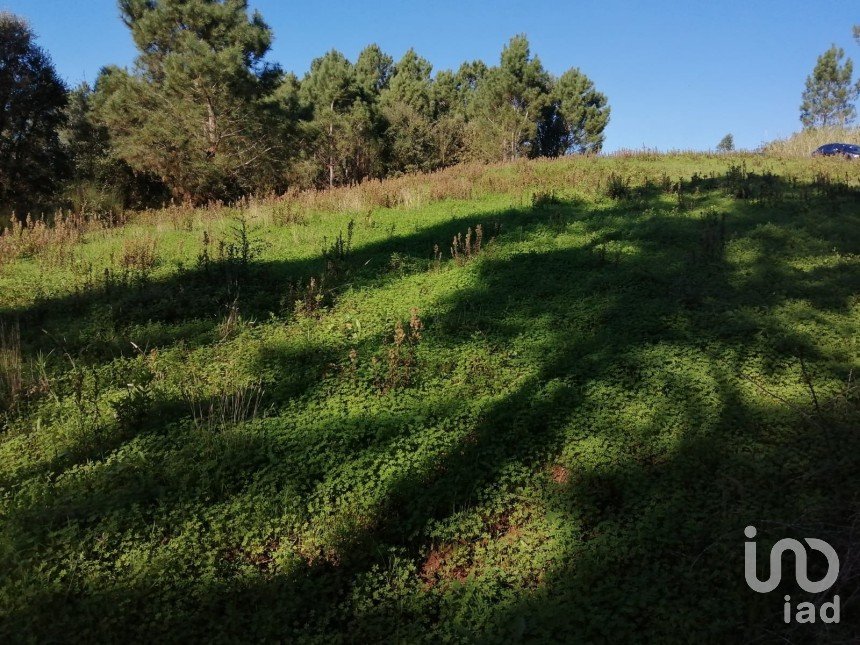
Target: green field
{"points": [[311, 419]]}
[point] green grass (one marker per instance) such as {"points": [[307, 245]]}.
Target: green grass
{"points": [[561, 437]]}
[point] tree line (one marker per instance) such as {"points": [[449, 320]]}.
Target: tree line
{"points": [[203, 115]]}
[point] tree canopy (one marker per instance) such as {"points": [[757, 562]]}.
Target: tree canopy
{"points": [[32, 109], [828, 99], [378, 117], [204, 115], [197, 109]]}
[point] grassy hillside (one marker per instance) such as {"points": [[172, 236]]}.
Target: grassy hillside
{"points": [[535, 401]]}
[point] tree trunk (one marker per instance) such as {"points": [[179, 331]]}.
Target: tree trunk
{"points": [[211, 130], [331, 149]]}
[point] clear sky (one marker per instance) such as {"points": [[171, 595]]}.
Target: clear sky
{"points": [[678, 74]]}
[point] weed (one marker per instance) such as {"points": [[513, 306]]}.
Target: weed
{"points": [[401, 353], [542, 199], [617, 187], [667, 186], [399, 263], [35, 238], [133, 408], [239, 251], [139, 254], [437, 257], [229, 405], [228, 326], [204, 258], [336, 255], [87, 388], [467, 247], [712, 240], [306, 300], [736, 181], [287, 212]]}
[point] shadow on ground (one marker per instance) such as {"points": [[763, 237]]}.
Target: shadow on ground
{"points": [[632, 438]]}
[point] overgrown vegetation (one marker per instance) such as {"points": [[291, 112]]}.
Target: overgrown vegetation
{"points": [[537, 400]]}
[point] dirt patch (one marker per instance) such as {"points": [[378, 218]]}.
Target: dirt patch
{"points": [[261, 558], [438, 567], [432, 565], [560, 475]]}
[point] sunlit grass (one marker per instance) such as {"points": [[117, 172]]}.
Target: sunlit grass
{"points": [[560, 435]]}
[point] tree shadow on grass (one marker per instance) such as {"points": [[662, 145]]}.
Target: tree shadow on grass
{"points": [[648, 530], [88, 330], [116, 317]]}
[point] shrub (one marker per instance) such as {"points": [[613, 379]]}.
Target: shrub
{"points": [[617, 187]]}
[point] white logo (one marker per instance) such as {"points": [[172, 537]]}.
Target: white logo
{"points": [[829, 611]]}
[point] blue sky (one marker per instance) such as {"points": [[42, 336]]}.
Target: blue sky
{"points": [[679, 75]]}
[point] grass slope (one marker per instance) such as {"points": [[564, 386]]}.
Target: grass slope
{"points": [[319, 423]]}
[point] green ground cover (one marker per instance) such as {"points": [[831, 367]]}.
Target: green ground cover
{"points": [[348, 424]]}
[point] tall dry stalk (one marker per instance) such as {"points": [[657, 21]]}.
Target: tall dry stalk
{"points": [[11, 365]]}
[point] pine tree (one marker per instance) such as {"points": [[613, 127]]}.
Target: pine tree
{"points": [[408, 110], [519, 109], [373, 70], [508, 103], [330, 88], [32, 104], [830, 93], [468, 77], [197, 110], [99, 181], [448, 107], [584, 110]]}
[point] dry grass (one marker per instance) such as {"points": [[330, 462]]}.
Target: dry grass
{"points": [[801, 144], [139, 254], [37, 238], [522, 179]]}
